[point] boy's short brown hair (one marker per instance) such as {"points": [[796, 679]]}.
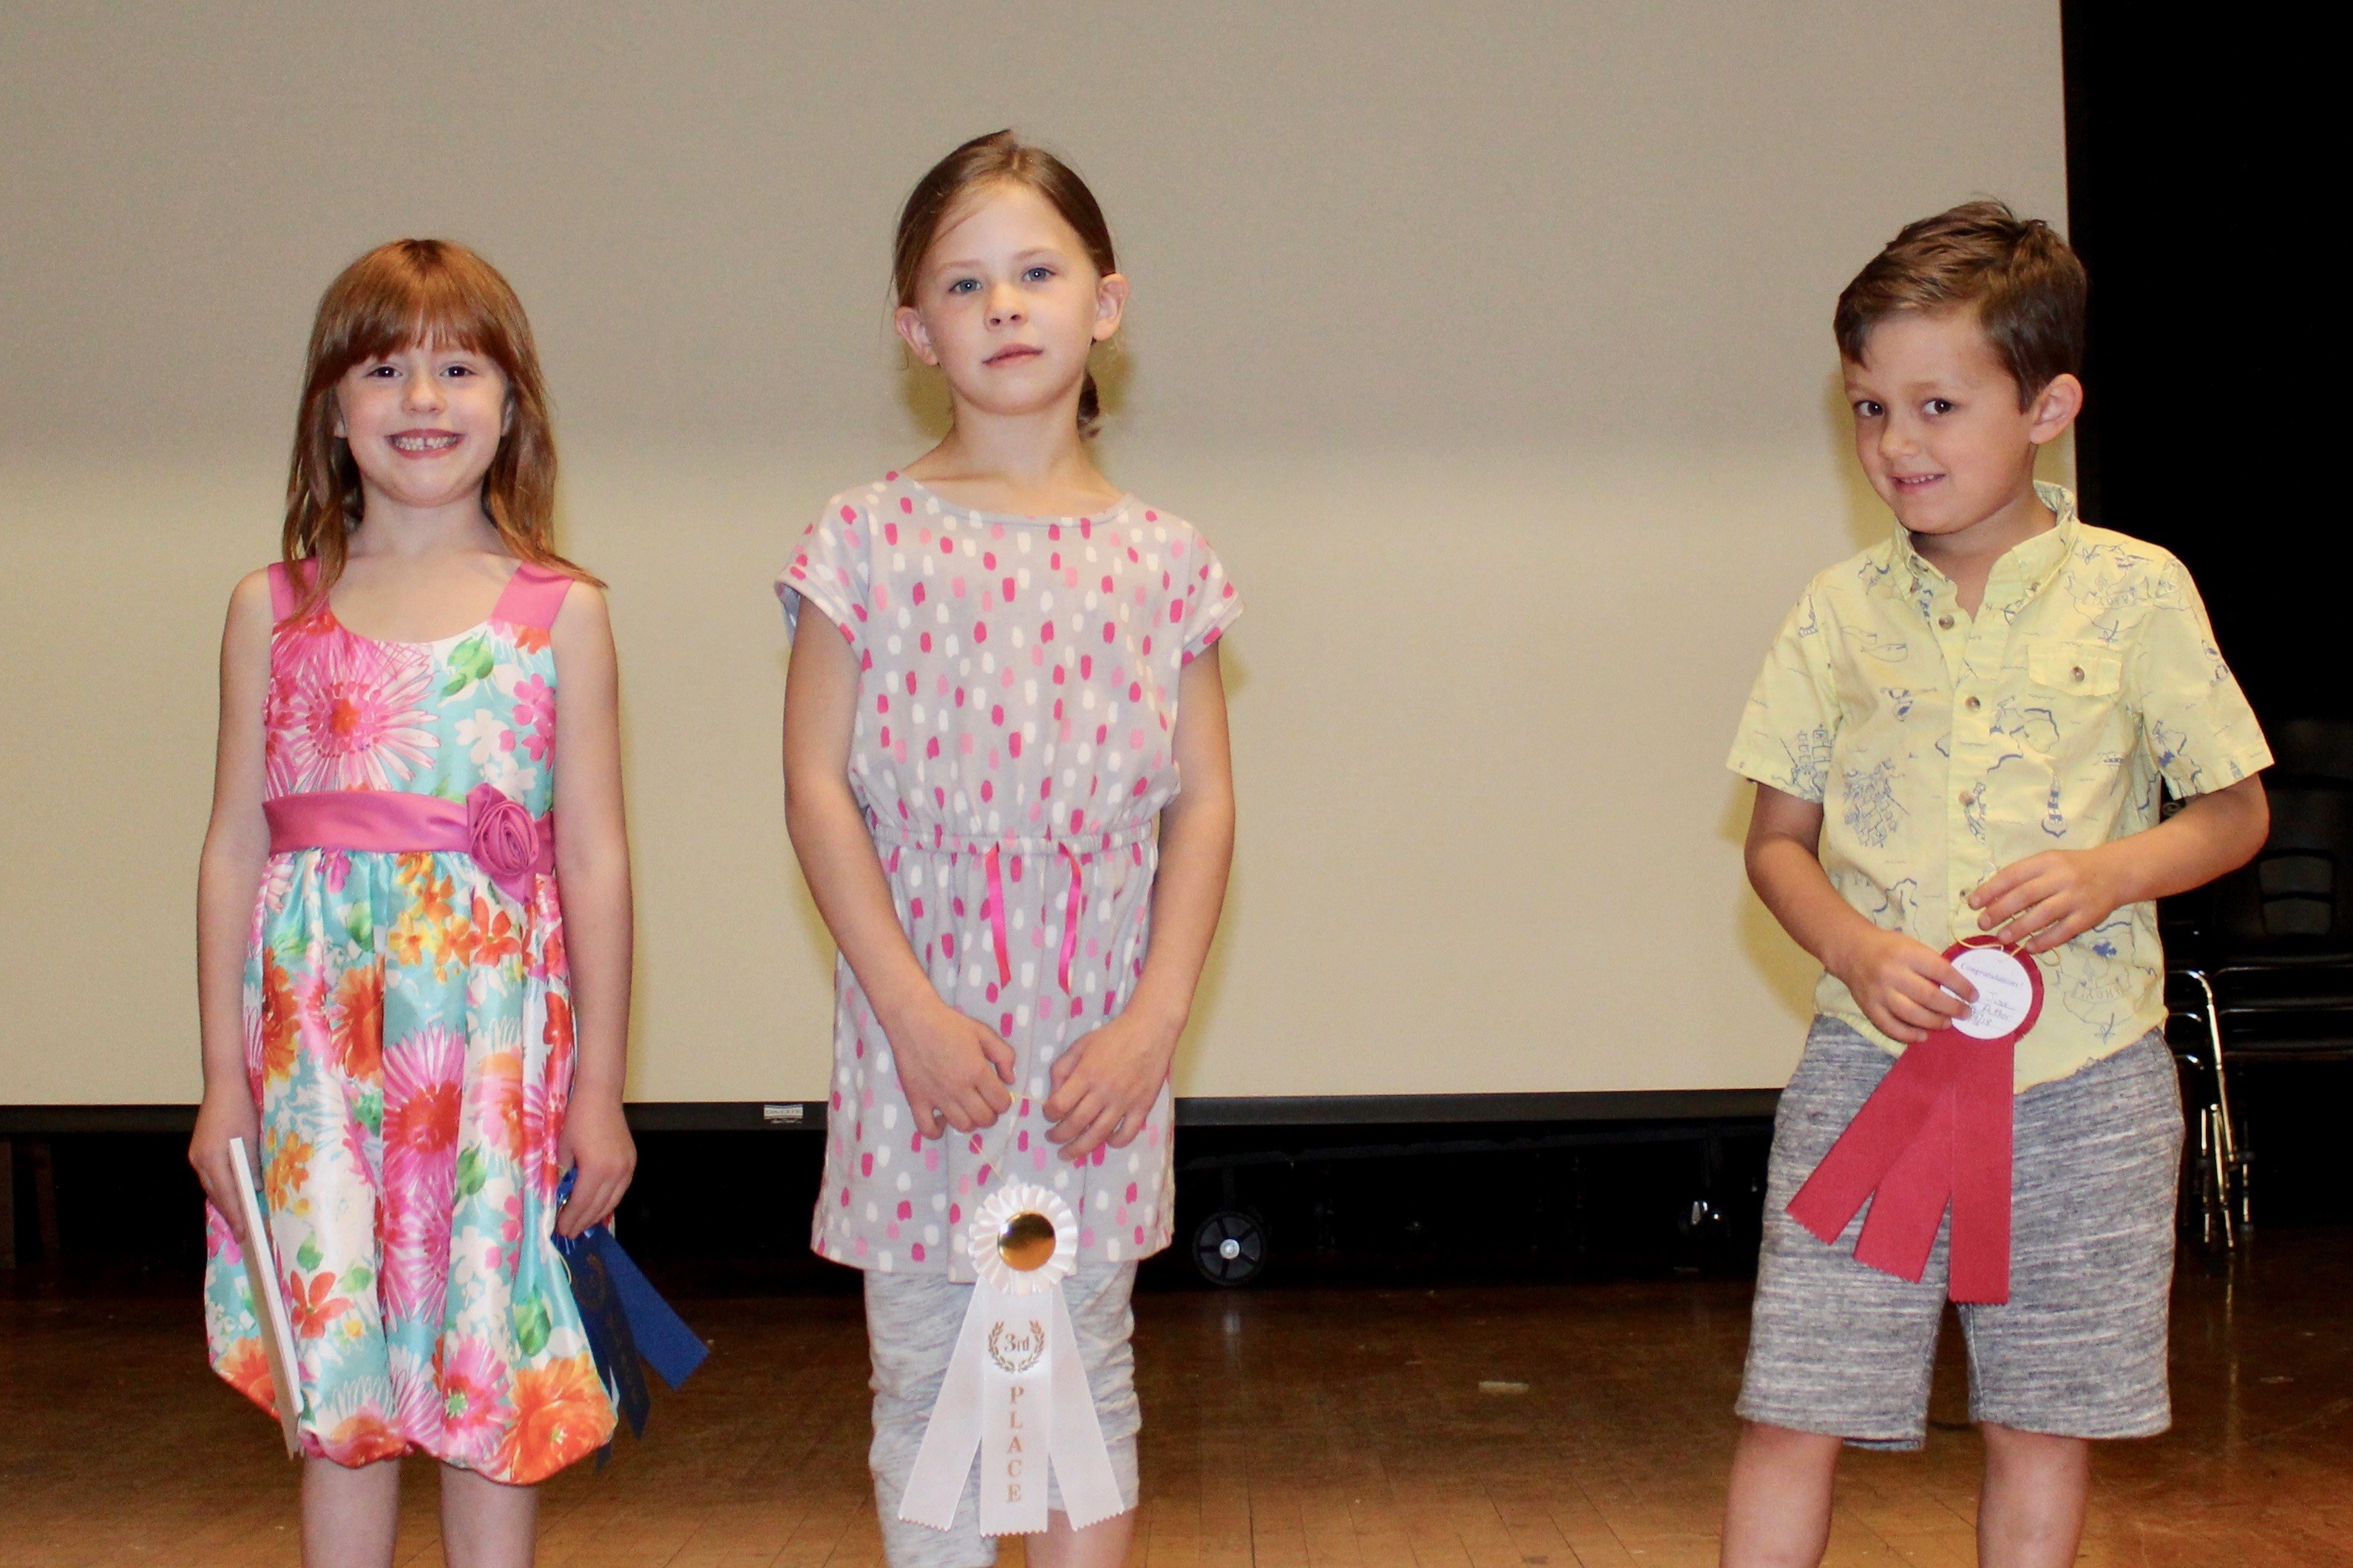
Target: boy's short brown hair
{"points": [[2027, 286]]}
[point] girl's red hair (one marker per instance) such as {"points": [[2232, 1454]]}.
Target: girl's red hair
{"points": [[406, 293]]}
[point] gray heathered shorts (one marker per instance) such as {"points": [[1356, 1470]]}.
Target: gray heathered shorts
{"points": [[2079, 1349], [911, 1321]]}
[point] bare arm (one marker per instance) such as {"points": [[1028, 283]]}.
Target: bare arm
{"points": [[592, 873], [228, 880], [1105, 1084], [1899, 982], [2053, 898], [954, 1069]]}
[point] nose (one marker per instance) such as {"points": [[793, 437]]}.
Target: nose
{"points": [[1896, 439], [1005, 307], [422, 394]]}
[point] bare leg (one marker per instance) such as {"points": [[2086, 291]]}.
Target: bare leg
{"points": [[484, 1524], [2031, 1511], [1102, 1545], [348, 1515], [1777, 1513]]}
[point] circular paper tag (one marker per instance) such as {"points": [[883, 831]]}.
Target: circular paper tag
{"points": [[2009, 987]]}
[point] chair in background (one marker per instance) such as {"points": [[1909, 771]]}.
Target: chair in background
{"points": [[2260, 961]]}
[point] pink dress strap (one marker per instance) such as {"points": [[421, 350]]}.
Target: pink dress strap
{"points": [[281, 587], [533, 595]]}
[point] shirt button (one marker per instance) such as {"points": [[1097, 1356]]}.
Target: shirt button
{"points": [[1972, 705], [1943, 623], [2076, 673], [1965, 796]]}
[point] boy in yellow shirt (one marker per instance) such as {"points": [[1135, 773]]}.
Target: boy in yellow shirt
{"points": [[1963, 731]]}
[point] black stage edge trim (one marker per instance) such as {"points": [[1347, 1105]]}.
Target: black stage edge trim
{"points": [[1253, 1110], [58, 1121], [1404, 1109], [726, 1115]]}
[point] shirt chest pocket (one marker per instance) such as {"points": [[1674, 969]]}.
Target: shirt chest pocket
{"points": [[2076, 669], [2073, 704]]}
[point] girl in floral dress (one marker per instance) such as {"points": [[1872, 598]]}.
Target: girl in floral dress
{"points": [[1010, 668], [414, 990]]}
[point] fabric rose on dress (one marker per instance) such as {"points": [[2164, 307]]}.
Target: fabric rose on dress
{"points": [[505, 839]]}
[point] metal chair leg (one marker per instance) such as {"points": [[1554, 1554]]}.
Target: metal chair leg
{"points": [[2236, 1194], [2218, 1183]]}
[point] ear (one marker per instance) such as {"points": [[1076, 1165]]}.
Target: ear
{"points": [[335, 402], [2055, 408], [1110, 305], [916, 335]]}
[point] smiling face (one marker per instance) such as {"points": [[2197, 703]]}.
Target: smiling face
{"points": [[1940, 433], [423, 422], [1007, 304]]}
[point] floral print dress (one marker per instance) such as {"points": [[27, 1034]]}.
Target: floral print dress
{"points": [[408, 1039]]}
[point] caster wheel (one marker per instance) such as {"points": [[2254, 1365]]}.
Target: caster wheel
{"points": [[1230, 1248]]}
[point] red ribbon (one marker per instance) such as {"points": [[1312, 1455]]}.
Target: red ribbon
{"points": [[1073, 906], [1937, 1131]]}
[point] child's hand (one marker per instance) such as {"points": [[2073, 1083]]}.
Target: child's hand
{"points": [[602, 1156], [1903, 984], [952, 1069], [1105, 1083], [2049, 898], [221, 1118]]}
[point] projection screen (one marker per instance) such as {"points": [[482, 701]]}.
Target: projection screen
{"points": [[1489, 343]]}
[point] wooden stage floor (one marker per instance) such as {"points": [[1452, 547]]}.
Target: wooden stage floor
{"points": [[1488, 1427]]}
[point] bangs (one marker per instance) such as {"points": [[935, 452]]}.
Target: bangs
{"points": [[418, 293]]}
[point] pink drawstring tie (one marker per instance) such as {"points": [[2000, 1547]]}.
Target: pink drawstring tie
{"points": [[1074, 906]]}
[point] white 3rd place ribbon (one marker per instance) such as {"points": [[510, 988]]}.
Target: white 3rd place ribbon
{"points": [[1015, 1391]]}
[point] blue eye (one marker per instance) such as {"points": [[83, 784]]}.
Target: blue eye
{"points": [[964, 285], [1036, 273]]}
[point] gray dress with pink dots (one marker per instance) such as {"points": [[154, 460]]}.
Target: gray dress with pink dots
{"points": [[1018, 691]]}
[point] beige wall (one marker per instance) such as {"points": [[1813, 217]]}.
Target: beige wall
{"points": [[1488, 345]]}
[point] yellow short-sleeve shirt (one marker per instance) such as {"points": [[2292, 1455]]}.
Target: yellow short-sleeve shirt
{"points": [[1942, 747]]}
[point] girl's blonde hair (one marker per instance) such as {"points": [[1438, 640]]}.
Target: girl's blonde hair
{"points": [[1000, 158], [408, 292]]}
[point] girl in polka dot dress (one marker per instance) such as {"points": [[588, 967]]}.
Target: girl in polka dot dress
{"points": [[1011, 667]]}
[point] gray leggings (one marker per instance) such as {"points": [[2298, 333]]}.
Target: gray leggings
{"points": [[912, 1322]]}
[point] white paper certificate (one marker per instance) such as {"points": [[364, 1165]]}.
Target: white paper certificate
{"points": [[261, 1273]]}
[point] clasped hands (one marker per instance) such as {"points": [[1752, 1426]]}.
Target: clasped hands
{"points": [[957, 1072], [1905, 987]]}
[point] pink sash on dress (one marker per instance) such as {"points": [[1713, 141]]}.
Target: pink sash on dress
{"points": [[513, 846]]}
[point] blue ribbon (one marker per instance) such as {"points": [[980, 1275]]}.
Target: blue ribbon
{"points": [[625, 1319]]}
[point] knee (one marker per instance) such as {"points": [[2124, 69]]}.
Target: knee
{"points": [[2011, 1451], [1785, 1448]]}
